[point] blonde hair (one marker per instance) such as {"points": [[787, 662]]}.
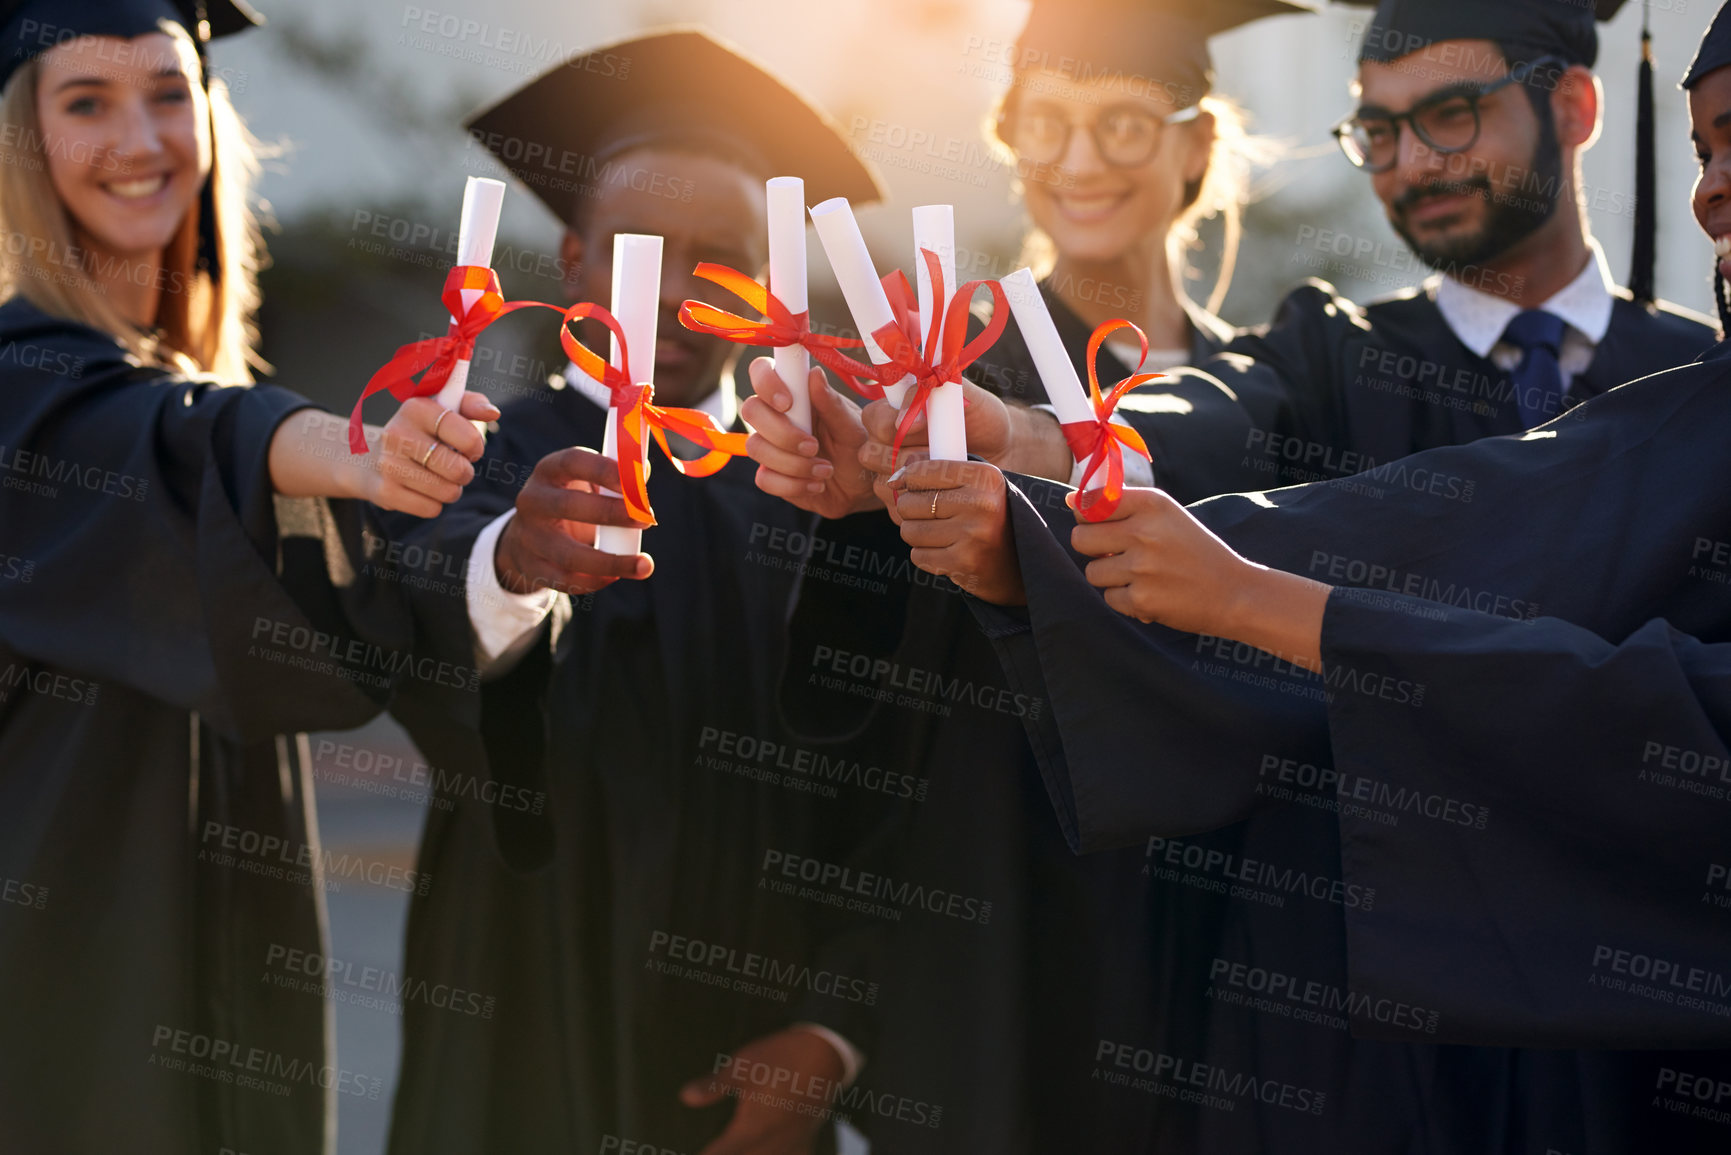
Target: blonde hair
{"points": [[205, 324], [1223, 192]]}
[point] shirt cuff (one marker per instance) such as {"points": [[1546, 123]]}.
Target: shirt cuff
{"points": [[851, 1059], [1137, 471], [504, 623]]}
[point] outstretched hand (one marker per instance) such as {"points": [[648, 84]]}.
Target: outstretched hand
{"points": [[817, 471], [550, 543]]}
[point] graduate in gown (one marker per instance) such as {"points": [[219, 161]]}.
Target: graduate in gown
{"points": [[1113, 235], [1471, 122], [176, 603], [624, 897], [1513, 731], [998, 1020]]}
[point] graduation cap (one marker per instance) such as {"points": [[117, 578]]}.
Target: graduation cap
{"points": [[28, 28], [1531, 30], [1166, 40], [1535, 28], [676, 87], [1715, 50]]}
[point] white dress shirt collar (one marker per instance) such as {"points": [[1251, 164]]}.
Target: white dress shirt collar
{"points": [[1479, 318]]}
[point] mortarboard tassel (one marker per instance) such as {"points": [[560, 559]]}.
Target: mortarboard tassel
{"points": [[1646, 179]]}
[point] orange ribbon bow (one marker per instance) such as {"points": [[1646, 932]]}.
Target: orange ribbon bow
{"points": [[1101, 442], [944, 356], [780, 328], [633, 404], [439, 355]]}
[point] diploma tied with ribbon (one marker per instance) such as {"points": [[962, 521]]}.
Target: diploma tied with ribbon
{"points": [[1094, 438]]}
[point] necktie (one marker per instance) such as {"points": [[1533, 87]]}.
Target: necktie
{"points": [[1538, 378]]}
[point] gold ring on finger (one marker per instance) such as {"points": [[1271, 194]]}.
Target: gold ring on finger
{"points": [[443, 413], [427, 456], [934, 505]]}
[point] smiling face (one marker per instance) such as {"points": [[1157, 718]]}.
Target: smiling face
{"points": [[1472, 206], [126, 132], [1093, 210], [1710, 129]]}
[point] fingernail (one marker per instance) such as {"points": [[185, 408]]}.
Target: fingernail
{"points": [[783, 402], [808, 446], [822, 469], [896, 476]]}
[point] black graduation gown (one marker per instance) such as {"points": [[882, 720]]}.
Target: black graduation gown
{"points": [[1467, 831], [621, 907], [156, 826], [1331, 388], [997, 1019]]}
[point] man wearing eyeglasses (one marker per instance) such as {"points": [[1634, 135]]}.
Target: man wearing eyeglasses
{"points": [[1472, 119]]}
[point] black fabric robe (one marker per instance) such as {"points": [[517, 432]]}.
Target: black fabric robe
{"points": [[997, 1020], [163, 629], [1476, 830], [1332, 388], [635, 815]]}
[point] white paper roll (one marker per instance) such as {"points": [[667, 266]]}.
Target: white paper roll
{"points": [[637, 307], [946, 415], [1057, 372], [846, 249], [483, 198], [786, 200]]}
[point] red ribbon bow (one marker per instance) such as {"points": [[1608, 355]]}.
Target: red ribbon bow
{"points": [[633, 405], [944, 356], [439, 355], [780, 328], [1101, 442]]}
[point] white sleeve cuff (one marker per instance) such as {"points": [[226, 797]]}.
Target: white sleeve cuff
{"points": [[1137, 471], [851, 1059], [505, 624]]}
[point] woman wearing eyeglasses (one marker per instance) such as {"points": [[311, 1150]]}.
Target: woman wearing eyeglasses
{"points": [[1121, 150]]}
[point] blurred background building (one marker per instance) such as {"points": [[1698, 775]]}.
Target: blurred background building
{"points": [[364, 100]]}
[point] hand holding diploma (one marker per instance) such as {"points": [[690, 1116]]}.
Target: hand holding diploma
{"points": [[1157, 563], [550, 543], [1085, 418], [425, 460], [817, 471], [954, 516]]}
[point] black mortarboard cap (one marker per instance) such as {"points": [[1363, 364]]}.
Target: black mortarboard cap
{"points": [[1165, 42], [1530, 28], [29, 28], [1715, 51], [670, 87]]}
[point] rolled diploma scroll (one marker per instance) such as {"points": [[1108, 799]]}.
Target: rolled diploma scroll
{"points": [[482, 200], [786, 198], [1057, 372], [946, 423], [839, 234], [637, 306]]}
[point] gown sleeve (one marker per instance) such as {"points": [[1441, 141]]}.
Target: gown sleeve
{"points": [[1150, 732], [1545, 834], [143, 502]]}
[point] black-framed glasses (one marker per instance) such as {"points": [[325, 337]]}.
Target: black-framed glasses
{"points": [[1448, 122], [1125, 135]]}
